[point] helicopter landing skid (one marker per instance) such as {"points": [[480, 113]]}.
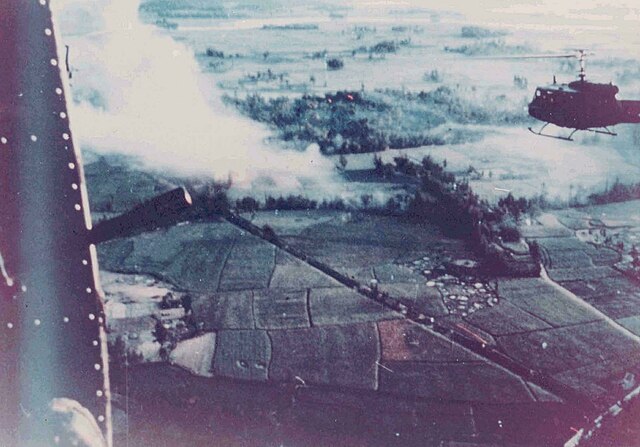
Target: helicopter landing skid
{"points": [[539, 133], [606, 131]]}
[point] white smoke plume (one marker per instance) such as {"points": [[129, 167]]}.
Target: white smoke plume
{"points": [[139, 92]]}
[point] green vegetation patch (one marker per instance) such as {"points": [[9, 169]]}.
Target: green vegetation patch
{"points": [[451, 204], [618, 192], [478, 32], [488, 47], [185, 9], [356, 122], [198, 266]]}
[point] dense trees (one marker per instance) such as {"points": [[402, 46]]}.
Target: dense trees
{"points": [[452, 205], [354, 122], [618, 192], [335, 63]]}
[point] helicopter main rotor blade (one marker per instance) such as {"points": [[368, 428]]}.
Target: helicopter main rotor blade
{"points": [[536, 56]]}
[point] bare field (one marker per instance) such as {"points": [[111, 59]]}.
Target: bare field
{"points": [[358, 239]]}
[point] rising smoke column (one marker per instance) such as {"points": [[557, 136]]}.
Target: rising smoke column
{"points": [[138, 92]]}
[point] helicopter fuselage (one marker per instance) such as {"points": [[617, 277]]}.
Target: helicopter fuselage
{"points": [[582, 105]]}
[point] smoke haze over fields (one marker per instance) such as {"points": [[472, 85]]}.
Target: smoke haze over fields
{"points": [[140, 89], [138, 92]]}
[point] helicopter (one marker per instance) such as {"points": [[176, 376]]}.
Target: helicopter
{"points": [[581, 105]]}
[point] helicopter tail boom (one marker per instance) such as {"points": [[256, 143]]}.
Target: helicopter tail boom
{"points": [[630, 111]]}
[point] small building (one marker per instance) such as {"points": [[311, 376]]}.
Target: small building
{"points": [[171, 314]]}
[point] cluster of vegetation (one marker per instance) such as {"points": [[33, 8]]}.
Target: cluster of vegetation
{"points": [[207, 9], [392, 206], [477, 32], [386, 46], [263, 76], [361, 31], [292, 27], [516, 208], [208, 199], [488, 48], [337, 123], [164, 23], [292, 202], [617, 192], [318, 54], [211, 200], [453, 206], [414, 12], [469, 111], [169, 337], [382, 47], [187, 9], [433, 76], [404, 29], [335, 63], [357, 122], [212, 52]]}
